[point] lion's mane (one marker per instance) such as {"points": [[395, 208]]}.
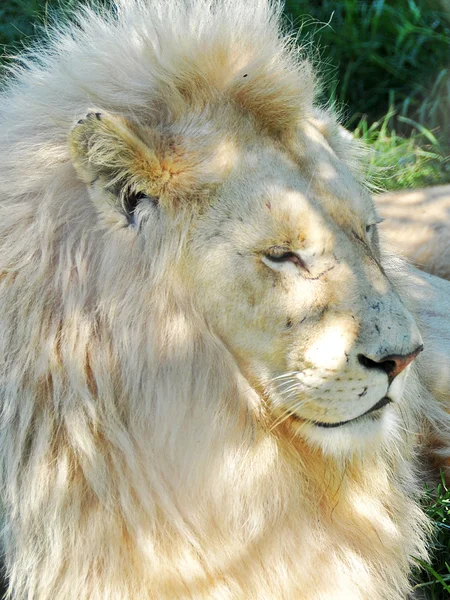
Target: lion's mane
{"points": [[134, 464]]}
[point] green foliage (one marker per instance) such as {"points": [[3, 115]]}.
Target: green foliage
{"points": [[386, 63], [398, 162], [18, 19], [379, 47]]}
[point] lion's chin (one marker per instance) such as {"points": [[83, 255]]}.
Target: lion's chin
{"points": [[358, 436], [377, 407]]}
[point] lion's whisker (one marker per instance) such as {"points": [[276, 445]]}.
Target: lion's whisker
{"points": [[285, 375], [284, 384], [287, 390]]}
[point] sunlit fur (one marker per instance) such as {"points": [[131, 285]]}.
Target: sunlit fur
{"points": [[143, 456]]}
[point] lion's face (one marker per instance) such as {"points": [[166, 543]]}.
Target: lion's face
{"points": [[282, 262], [287, 268]]}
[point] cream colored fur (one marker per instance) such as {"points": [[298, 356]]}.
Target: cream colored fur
{"points": [[162, 367]]}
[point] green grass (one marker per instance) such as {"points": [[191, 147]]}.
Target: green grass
{"points": [[18, 20], [385, 64], [399, 161], [434, 577], [379, 47]]}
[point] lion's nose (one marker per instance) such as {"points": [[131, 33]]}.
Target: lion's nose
{"points": [[392, 365]]}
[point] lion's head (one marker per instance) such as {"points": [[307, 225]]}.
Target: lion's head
{"points": [[280, 256]]}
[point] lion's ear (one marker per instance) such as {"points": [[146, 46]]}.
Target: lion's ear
{"points": [[125, 160], [108, 147]]}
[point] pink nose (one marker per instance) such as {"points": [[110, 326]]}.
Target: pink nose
{"points": [[392, 365]]}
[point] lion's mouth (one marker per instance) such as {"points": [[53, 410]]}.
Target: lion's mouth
{"points": [[380, 404]]}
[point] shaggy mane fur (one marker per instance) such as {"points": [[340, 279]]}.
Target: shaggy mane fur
{"points": [[135, 464]]}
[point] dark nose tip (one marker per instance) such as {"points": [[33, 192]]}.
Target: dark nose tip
{"points": [[392, 365]]}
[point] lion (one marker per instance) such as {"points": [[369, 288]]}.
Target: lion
{"points": [[215, 383]]}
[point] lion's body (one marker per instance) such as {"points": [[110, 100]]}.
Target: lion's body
{"points": [[142, 454], [417, 226]]}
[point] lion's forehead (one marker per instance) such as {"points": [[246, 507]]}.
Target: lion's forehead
{"points": [[297, 189], [280, 207]]}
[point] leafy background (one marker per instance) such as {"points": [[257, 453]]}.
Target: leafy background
{"points": [[385, 63], [385, 66]]}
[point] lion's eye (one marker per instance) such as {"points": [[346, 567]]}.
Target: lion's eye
{"points": [[285, 256], [279, 256]]}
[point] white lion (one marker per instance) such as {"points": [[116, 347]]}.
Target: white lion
{"points": [[206, 380]]}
